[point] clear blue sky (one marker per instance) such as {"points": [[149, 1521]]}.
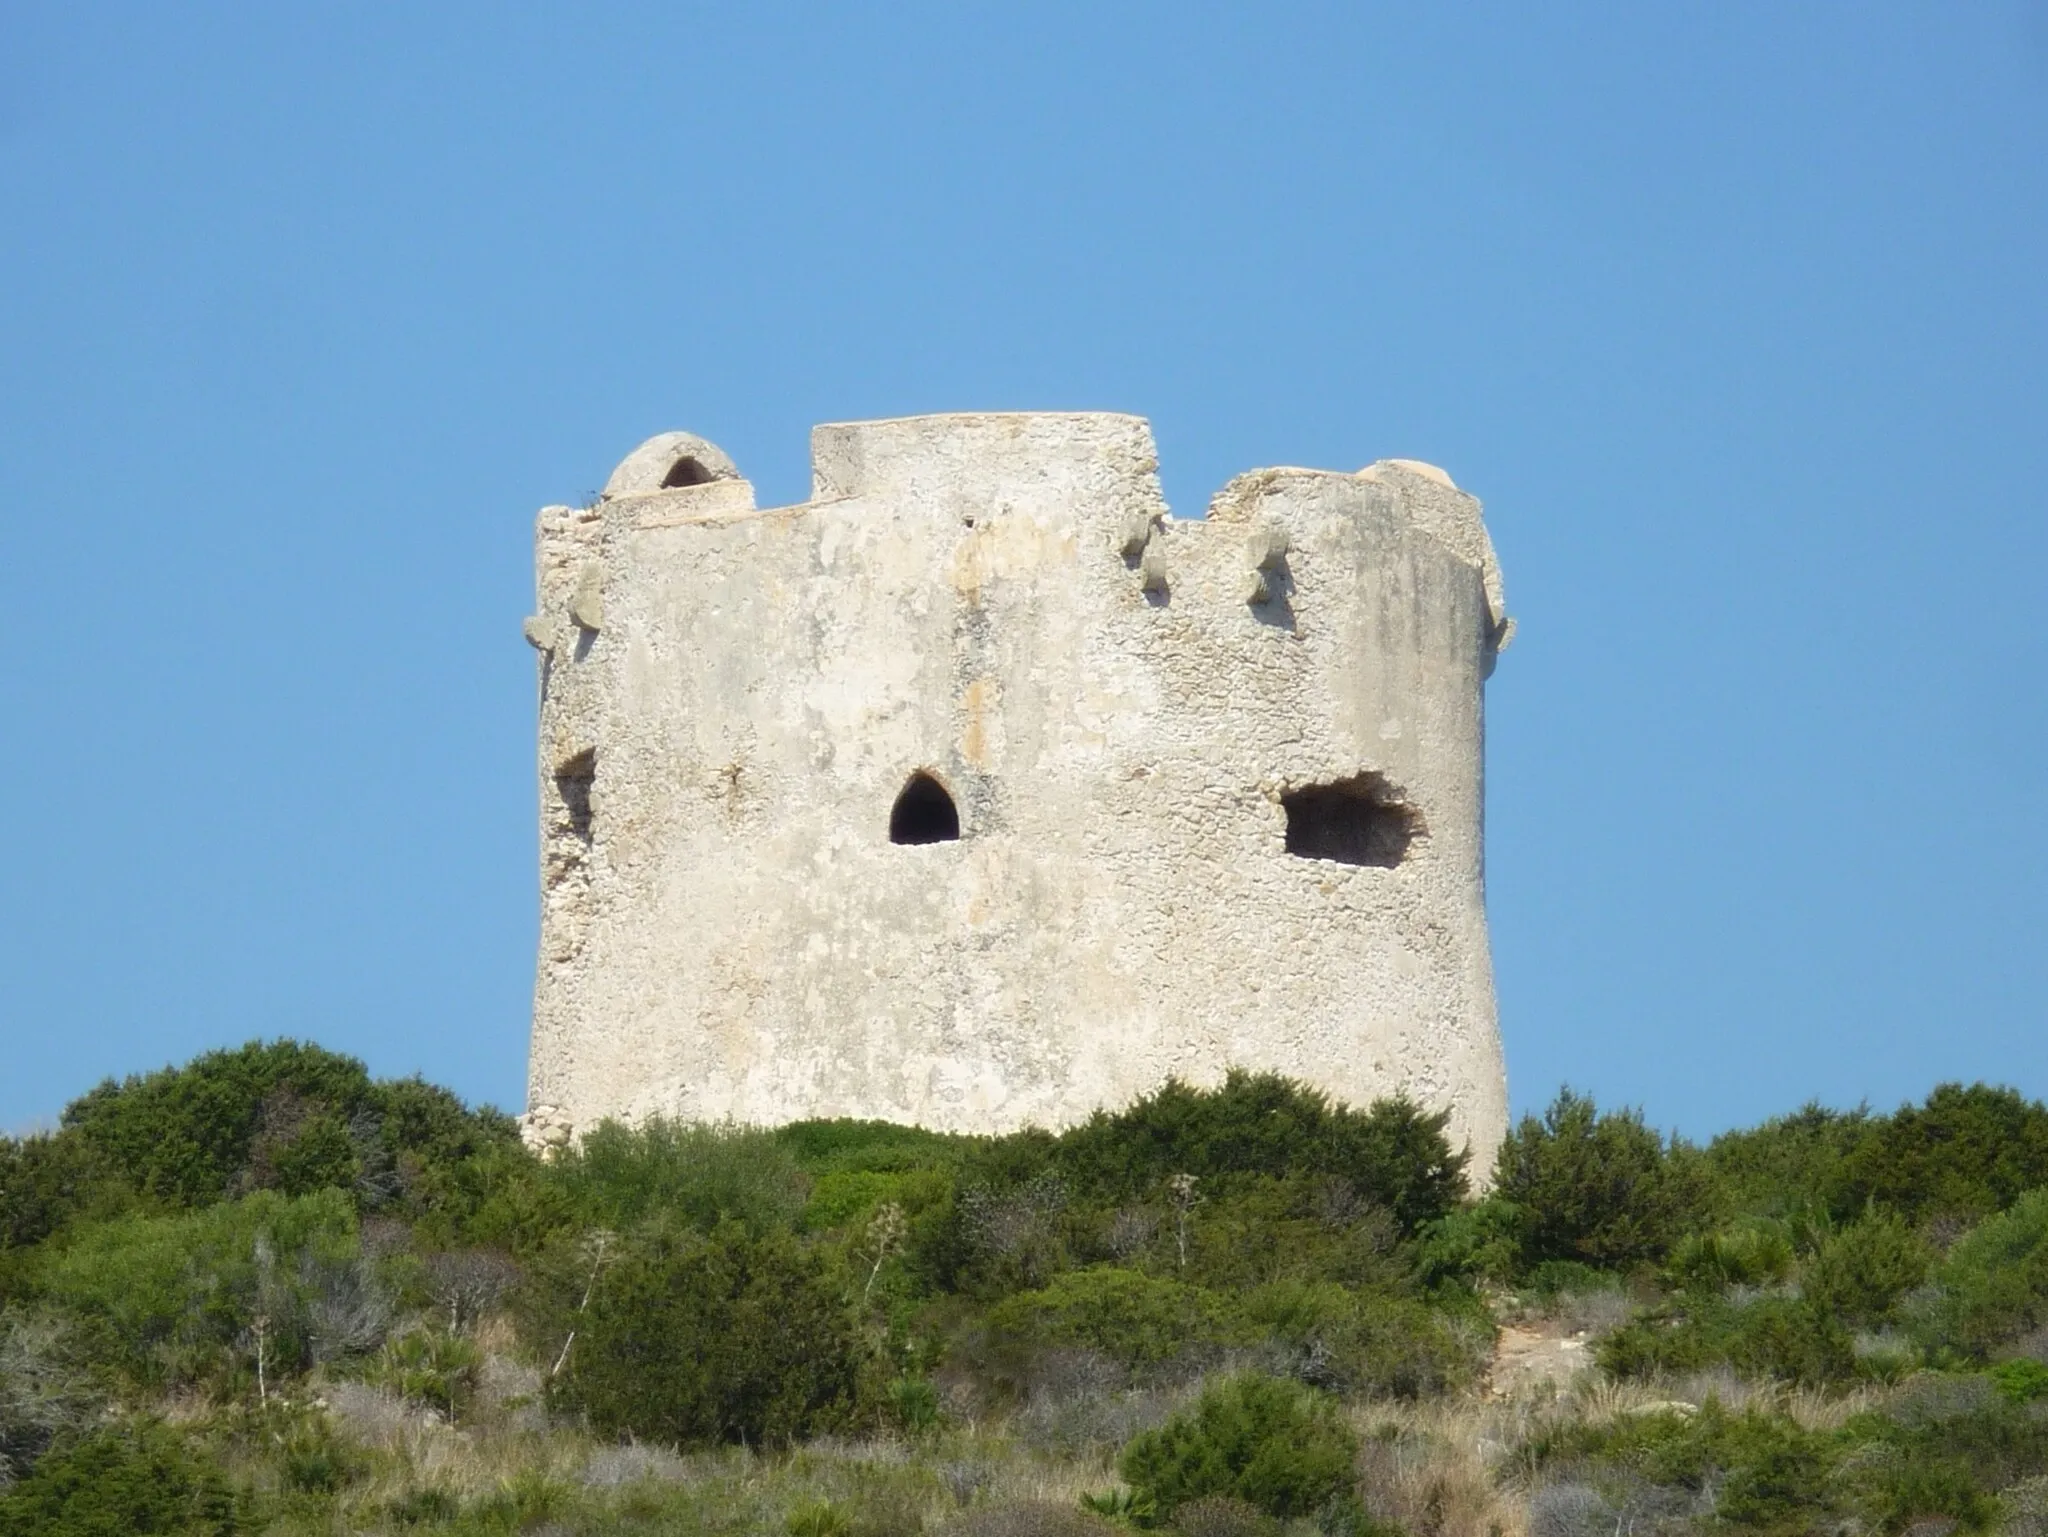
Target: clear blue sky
{"points": [[1736, 316]]}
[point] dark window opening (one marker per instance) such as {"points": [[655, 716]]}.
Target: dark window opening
{"points": [[686, 471], [924, 813], [573, 783], [1357, 821]]}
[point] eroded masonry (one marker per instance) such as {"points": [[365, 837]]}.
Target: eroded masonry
{"points": [[978, 791]]}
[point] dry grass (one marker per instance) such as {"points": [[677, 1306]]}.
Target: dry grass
{"points": [[1435, 1466], [1598, 1400]]}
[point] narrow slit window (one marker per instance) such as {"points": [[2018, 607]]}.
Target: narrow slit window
{"points": [[1356, 821], [924, 813]]}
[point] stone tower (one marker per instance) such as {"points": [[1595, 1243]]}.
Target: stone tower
{"points": [[977, 791]]}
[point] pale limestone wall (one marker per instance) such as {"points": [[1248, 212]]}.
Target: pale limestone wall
{"points": [[1002, 602]]}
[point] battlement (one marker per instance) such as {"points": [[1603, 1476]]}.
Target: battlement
{"points": [[980, 790]]}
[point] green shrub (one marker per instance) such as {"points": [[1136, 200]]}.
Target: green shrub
{"points": [[47, 1180], [1481, 1241], [1394, 1154], [1965, 1152], [846, 1197], [193, 1134], [1789, 1167], [282, 1116], [871, 1147], [134, 1478], [1603, 1189], [725, 1338], [1275, 1445], [312, 1459], [1993, 1284], [174, 1299], [428, 1367], [694, 1175], [1787, 1338], [914, 1405], [1253, 1230], [1932, 1458], [1757, 1469], [1862, 1272], [1132, 1318], [2023, 1380], [1750, 1253], [1368, 1343]]}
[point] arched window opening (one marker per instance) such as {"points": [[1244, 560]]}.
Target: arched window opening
{"points": [[924, 813], [1356, 821], [686, 471]]}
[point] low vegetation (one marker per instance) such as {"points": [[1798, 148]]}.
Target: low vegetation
{"points": [[266, 1293]]}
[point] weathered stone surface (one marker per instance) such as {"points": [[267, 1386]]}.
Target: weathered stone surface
{"points": [[1001, 604]]}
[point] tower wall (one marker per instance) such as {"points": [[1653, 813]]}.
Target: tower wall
{"points": [[1120, 704]]}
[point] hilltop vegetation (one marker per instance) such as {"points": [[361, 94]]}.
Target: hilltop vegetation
{"points": [[265, 1292]]}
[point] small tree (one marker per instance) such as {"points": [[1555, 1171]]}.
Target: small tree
{"points": [[1600, 1189]]}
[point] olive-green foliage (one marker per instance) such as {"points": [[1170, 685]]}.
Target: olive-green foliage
{"points": [[849, 1196], [45, 1180], [1368, 1343], [1258, 1180], [1256, 1229], [1993, 1283], [1966, 1152], [429, 1367], [1790, 1166], [870, 1147], [1276, 1445], [1393, 1155], [1935, 1456], [269, 1114], [1747, 1253], [1862, 1272], [137, 1478], [266, 1116], [1963, 1152], [1134, 1319], [168, 1299], [1601, 1188], [2022, 1379], [720, 1338], [695, 1176], [1775, 1336]]}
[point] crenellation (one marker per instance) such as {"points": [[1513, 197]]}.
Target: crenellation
{"points": [[979, 790]]}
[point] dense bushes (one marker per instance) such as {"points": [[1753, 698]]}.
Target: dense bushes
{"points": [[136, 1478], [691, 1175], [272, 1115], [1993, 1284], [1601, 1188], [268, 1227], [165, 1300], [1392, 1155], [1134, 1319], [1277, 1446], [1962, 1153], [1965, 1153], [1861, 1273], [725, 1338], [1936, 1455]]}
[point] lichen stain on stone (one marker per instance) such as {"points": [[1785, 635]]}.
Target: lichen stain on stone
{"points": [[977, 704]]}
